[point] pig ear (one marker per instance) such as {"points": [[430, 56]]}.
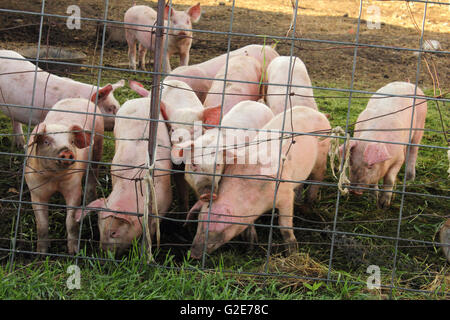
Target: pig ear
{"points": [[118, 84], [166, 12], [138, 88], [211, 116], [163, 108], [195, 12], [39, 135], [99, 203], [352, 145], [102, 93], [82, 139], [376, 152]]}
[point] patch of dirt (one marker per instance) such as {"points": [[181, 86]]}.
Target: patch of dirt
{"points": [[329, 20]]}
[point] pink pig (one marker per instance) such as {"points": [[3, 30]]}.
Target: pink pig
{"points": [[246, 115], [179, 41], [16, 88], [372, 161], [240, 68], [196, 74], [241, 201], [278, 73], [180, 106], [445, 238], [264, 54], [118, 230], [64, 136]]}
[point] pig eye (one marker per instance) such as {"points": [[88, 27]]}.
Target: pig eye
{"points": [[46, 142], [370, 166]]}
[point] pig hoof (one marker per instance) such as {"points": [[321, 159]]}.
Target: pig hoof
{"points": [[384, 202], [410, 175], [72, 248], [19, 142], [291, 247], [251, 237]]}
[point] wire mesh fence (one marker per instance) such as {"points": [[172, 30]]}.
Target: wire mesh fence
{"points": [[194, 168]]}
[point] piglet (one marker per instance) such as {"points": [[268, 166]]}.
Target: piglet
{"points": [[63, 137], [263, 53], [199, 76], [179, 40], [201, 154], [372, 161], [278, 73], [241, 201], [117, 220], [239, 68], [16, 88], [181, 107]]}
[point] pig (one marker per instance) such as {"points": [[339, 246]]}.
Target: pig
{"points": [[240, 201], [179, 40], [248, 115], [445, 238], [263, 53], [180, 104], [372, 161], [200, 76], [119, 229], [65, 137], [15, 74], [240, 68], [278, 74]]}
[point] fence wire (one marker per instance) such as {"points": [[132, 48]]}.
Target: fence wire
{"points": [[359, 243]]}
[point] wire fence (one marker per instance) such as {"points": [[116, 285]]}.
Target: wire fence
{"points": [[134, 168]]}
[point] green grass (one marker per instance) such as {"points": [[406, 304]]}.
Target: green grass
{"points": [[419, 267]]}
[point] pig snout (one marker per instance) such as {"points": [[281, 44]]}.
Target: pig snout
{"points": [[65, 157], [183, 34], [358, 192], [215, 240]]}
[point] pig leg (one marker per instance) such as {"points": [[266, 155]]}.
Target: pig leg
{"points": [[132, 52], [184, 58], [41, 216], [250, 236], [384, 199], [285, 218], [413, 151], [182, 189], [72, 198], [317, 175], [167, 68], [142, 52], [18, 138], [91, 190]]}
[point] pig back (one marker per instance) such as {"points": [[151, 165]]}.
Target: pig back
{"points": [[132, 147], [391, 112]]}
